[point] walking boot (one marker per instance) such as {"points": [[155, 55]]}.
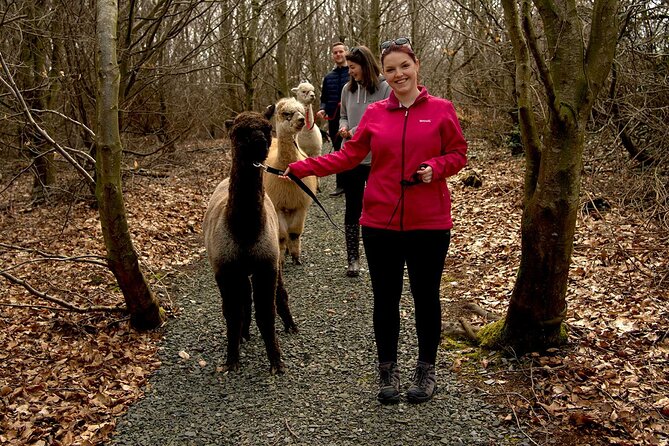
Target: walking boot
{"points": [[424, 384], [353, 250], [389, 383]]}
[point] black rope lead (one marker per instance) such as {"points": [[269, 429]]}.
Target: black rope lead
{"points": [[301, 185]]}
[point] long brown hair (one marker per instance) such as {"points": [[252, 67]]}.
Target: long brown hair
{"points": [[370, 69]]}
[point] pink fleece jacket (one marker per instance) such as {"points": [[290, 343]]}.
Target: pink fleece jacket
{"points": [[401, 139]]}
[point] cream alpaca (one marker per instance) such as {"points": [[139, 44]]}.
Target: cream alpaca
{"points": [[309, 138], [290, 202]]}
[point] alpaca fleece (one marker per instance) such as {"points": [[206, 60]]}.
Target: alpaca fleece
{"points": [[241, 235], [290, 202], [309, 139]]}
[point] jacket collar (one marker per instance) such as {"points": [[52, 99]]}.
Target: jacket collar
{"points": [[393, 103]]}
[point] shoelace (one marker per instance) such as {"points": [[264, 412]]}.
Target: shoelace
{"points": [[421, 376], [385, 376]]}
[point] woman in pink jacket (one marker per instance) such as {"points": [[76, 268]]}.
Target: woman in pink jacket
{"points": [[416, 143]]}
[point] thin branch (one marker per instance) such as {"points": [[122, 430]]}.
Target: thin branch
{"points": [[9, 83], [68, 306], [73, 121], [531, 39], [515, 415], [79, 259], [55, 256]]}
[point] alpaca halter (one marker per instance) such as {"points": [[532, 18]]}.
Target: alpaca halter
{"points": [[301, 185], [313, 123]]}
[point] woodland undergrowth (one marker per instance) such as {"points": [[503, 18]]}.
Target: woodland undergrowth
{"points": [[66, 376]]}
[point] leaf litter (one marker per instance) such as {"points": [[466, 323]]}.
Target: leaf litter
{"points": [[67, 377]]}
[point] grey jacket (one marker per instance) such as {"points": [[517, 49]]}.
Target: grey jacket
{"points": [[353, 106]]}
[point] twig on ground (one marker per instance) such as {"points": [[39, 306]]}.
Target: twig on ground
{"points": [[66, 306]]}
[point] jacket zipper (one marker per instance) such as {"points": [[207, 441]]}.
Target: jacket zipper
{"points": [[404, 131]]}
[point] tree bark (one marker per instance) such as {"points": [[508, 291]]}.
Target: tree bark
{"points": [[249, 46], [34, 82], [145, 311], [572, 75], [281, 48]]}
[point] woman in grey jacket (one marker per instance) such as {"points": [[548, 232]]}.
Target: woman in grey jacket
{"points": [[364, 87]]}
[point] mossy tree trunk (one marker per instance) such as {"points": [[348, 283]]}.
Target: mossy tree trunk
{"points": [[145, 311], [572, 72]]}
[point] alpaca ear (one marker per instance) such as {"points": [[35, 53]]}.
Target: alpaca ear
{"points": [[269, 111], [294, 89]]}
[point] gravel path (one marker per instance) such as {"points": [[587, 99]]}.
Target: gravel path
{"points": [[327, 396]]}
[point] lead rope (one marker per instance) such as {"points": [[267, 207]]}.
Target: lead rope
{"points": [[301, 185]]}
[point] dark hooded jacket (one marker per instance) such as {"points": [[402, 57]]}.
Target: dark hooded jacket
{"points": [[333, 82]]}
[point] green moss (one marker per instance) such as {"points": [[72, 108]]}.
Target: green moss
{"points": [[490, 335], [564, 334], [449, 343]]}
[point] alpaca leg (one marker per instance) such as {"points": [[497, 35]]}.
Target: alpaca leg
{"points": [[264, 289], [282, 305], [247, 312], [283, 235], [294, 247], [235, 289], [295, 229]]}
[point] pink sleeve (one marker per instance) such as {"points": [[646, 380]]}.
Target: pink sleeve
{"points": [[453, 148], [350, 155]]}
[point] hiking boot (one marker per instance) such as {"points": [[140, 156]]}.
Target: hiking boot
{"points": [[389, 383], [424, 384]]}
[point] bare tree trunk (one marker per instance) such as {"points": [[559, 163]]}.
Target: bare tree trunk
{"points": [[374, 31], [34, 81], [281, 30], [341, 28], [249, 44], [572, 74], [145, 311]]}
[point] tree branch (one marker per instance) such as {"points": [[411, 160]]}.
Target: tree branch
{"points": [[602, 44], [531, 38], [9, 83], [62, 303]]}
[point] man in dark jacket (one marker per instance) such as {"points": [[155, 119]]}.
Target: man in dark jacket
{"points": [[333, 82]]}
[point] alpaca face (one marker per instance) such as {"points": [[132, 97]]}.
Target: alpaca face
{"points": [[305, 93], [251, 135], [289, 116]]}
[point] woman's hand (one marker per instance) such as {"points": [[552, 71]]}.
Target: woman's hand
{"points": [[285, 174], [344, 132], [425, 173]]}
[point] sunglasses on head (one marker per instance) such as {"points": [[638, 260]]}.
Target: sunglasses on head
{"points": [[399, 41]]}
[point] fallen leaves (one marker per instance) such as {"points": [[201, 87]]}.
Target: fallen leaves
{"points": [[612, 377], [65, 377]]}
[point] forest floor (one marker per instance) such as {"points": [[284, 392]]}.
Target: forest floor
{"points": [[67, 376]]}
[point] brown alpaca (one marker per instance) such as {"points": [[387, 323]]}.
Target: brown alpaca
{"points": [[290, 202], [241, 234]]}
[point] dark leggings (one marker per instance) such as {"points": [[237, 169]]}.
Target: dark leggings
{"points": [[424, 253], [354, 188]]}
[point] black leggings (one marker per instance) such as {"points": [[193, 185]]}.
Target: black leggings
{"points": [[424, 253], [354, 188]]}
